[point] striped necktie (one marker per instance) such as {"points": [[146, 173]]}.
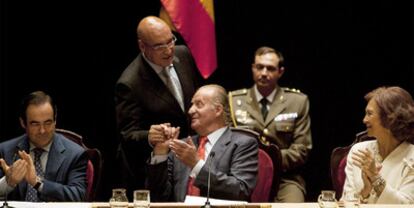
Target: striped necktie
{"points": [[173, 84]]}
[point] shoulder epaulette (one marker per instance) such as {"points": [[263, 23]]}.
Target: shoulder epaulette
{"points": [[291, 89], [239, 92]]}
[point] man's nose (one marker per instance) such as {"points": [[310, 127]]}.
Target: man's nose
{"points": [[169, 50], [264, 71], [191, 111], [42, 128]]}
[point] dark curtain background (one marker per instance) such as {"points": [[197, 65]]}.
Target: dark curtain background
{"points": [[336, 51]]}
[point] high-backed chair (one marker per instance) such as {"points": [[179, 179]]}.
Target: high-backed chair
{"points": [[338, 163], [95, 162], [269, 171]]}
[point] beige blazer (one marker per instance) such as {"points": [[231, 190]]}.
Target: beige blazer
{"points": [[395, 170]]}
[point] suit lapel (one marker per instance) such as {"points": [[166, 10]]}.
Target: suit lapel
{"points": [[276, 107], [154, 84], [55, 158], [221, 145]]}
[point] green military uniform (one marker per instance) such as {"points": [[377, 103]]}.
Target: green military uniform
{"points": [[287, 125]]}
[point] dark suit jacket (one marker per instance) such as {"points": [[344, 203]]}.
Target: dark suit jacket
{"points": [[65, 174], [233, 171], [142, 99]]}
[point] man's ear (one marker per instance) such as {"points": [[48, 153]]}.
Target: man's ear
{"points": [[219, 110], [281, 71], [22, 123], [141, 46]]}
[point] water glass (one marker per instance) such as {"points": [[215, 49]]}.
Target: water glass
{"points": [[141, 199], [119, 198], [327, 199], [351, 199]]}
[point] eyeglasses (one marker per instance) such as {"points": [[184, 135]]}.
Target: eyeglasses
{"points": [[268, 67], [162, 47]]}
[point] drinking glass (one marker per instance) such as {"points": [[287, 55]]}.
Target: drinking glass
{"points": [[351, 199], [141, 199], [119, 198], [327, 199]]}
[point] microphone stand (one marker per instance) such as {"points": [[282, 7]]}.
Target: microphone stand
{"points": [[207, 204]]}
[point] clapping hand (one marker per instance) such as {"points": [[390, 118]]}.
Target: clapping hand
{"points": [[16, 172], [31, 170], [365, 160], [185, 150]]}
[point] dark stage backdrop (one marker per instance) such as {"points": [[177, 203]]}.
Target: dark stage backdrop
{"points": [[336, 51]]}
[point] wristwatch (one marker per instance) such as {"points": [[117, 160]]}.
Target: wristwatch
{"points": [[38, 184], [378, 185]]}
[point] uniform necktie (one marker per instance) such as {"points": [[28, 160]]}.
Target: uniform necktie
{"points": [[173, 85], [263, 101], [31, 194], [191, 189]]}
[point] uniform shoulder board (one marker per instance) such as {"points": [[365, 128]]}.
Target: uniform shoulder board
{"points": [[239, 92], [291, 90]]}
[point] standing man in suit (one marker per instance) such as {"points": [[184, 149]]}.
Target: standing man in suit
{"points": [[42, 165], [156, 88], [231, 157], [279, 114]]}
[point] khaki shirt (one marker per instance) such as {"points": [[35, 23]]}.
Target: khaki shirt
{"points": [[287, 125]]}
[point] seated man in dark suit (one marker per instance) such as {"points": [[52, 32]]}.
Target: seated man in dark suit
{"points": [[184, 170], [42, 165]]}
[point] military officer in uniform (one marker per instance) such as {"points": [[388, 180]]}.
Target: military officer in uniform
{"points": [[281, 115]]}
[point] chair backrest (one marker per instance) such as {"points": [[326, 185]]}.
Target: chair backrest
{"points": [[270, 159], [338, 163], [95, 162], [264, 181]]}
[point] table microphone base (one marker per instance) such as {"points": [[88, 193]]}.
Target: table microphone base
{"points": [[207, 205], [5, 205]]}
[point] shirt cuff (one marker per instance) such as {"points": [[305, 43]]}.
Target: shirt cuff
{"points": [[4, 186], [40, 187], [197, 168], [156, 159]]}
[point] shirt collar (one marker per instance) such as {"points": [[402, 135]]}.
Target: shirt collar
{"points": [[46, 148], [215, 135], [158, 69], [259, 96]]}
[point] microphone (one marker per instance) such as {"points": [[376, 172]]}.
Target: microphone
{"points": [[5, 204], [207, 204]]}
